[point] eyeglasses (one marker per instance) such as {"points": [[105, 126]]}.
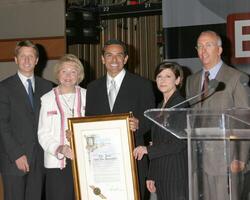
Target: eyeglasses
{"points": [[208, 45]]}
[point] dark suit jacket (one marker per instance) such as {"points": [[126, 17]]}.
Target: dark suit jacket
{"points": [[18, 123], [135, 94], [168, 154], [232, 94]]}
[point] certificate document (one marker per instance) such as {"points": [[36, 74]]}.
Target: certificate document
{"points": [[104, 161]]}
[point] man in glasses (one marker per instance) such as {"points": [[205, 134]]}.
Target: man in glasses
{"points": [[233, 93]]}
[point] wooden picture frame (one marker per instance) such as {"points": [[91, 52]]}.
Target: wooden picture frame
{"points": [[103, 164]]}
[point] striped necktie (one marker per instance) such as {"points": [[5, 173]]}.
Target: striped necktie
{"points": [[30, 92]]}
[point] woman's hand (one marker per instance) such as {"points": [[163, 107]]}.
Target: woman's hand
{"points": [[151, 186], [139, 152], [66, 151]]}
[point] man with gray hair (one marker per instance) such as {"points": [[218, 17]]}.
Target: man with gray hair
{"points": [[232, 95]]}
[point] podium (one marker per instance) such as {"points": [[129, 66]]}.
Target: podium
{"points": [[218, 149]]}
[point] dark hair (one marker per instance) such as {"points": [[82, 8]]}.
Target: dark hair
{"points": [[26, 43], [117, 42], [175, 67]]}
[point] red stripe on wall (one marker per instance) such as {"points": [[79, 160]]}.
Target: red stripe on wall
{"points": [[54, 47]]}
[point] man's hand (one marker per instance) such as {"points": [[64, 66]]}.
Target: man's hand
{"points": [[151, 186], [139, 152], [133, 124], [66, 151], [237, 166], [22, 164]]}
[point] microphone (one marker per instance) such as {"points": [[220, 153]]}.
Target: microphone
{"points": [[212, 85]]}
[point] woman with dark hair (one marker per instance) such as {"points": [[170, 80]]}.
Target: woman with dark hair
{"points": [[168, 169]]}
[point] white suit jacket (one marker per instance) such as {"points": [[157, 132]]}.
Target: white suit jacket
{"points": [[53, 123]]}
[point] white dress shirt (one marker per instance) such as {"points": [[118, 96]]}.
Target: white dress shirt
{"points": [[118, 80], [25, 82], [212, 72]]}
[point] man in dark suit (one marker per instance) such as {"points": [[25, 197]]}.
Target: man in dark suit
{"points": [[132, 93], [233, 94], [21, 157]]}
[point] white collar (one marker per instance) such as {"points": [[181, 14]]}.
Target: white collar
{"points": [[24, 80], [214, 71], [118, 79]]}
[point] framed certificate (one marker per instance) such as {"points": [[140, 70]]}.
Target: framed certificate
{"points": [[103, 167]]}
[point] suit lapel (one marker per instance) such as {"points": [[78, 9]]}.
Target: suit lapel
{"points": [[197, 88], [20, 92], [37, 95], [219, 78], [124, 88], [220, 74], [197, 82], [104, 94]]}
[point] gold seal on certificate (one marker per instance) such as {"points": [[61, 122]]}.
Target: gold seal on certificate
{"points": [[97, 191], [103, 168]]}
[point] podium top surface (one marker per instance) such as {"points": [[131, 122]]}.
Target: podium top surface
{"points": [[233, 124]]}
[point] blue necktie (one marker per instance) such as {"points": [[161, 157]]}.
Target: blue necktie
{"points": [[30, 92]]}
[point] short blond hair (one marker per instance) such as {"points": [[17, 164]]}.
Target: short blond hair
{"points": [[73, 59], [26, 43]]}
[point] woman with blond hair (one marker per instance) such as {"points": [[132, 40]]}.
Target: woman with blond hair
{"points": [[62, 102]]}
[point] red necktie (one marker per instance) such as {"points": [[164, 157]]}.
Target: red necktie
{"points": [[205, 85]]}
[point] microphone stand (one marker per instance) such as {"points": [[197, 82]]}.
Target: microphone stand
{"points": [[213, 84]]}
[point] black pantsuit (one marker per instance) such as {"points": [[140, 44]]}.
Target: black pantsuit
{"points": [[168, 157]]}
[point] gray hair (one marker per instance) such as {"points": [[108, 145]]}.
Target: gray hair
{"points": [[219, 41]]}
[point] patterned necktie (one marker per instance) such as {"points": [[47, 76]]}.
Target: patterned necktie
{"points": [[112, 94], [205, 85], [30, 92]]}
